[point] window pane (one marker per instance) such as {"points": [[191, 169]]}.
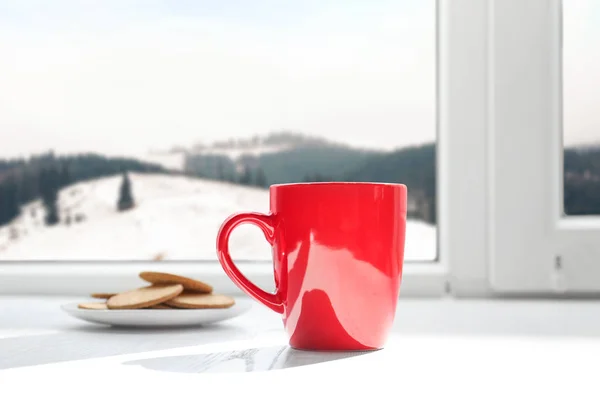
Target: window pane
{"points": [[131, 132], [581, 100]]}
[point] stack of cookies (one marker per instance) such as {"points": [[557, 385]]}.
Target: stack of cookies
{"points": [[166, 291]]}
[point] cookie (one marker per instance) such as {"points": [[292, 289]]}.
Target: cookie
{"points": [[143, 297], [93, 306], [160, 306], [189, 300], [189, 285], [103, 295]]}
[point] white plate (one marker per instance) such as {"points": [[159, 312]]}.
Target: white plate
{"points": [[158, 318]]}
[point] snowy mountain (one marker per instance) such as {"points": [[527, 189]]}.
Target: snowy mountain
{"points": [[175, 218], [258, 145], [236, 152], [170, 160], [234, 149], [176, 160]]}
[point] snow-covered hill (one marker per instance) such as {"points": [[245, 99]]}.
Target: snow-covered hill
{"points": [[175, 160], [236, 152], [169, 160], [175, 218]]}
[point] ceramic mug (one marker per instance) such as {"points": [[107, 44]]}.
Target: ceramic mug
{"points": [[338, 252]]}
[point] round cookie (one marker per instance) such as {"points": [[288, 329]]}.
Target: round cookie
{"points": [[93, 306], [102, 295], [143, 297], [163, 278], [188, 300]]}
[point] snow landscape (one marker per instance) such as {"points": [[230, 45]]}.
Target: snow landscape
{"points": [[175, 218], [205, 107]]}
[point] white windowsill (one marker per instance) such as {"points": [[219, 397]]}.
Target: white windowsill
{"points": [[438, 350]]}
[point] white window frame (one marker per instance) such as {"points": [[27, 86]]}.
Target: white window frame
{"points": [[461, 190], [534, 249]]}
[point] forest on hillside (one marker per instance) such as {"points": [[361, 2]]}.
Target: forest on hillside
{"points": [[414, 166], [314, 160], [582, 181], [43, 176]]}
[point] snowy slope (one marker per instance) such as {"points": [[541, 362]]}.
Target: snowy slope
{"points": [[169, 160], [176, 160], [235, 152], [175, 218]]}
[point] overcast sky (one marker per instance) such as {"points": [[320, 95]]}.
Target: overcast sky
{"points": [[125, 76], [581, 71]]}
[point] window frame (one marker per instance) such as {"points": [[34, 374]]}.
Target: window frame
{"points": [[461, 115], [534, 249]]}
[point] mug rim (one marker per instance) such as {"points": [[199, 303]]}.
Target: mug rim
{"points": [[338, 183]]}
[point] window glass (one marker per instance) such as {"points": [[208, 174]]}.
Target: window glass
{"points": [[132, 129], [581, 101]]}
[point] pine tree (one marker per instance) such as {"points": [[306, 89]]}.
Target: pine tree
{"points": [[65, 175], [246, 177], [9, 201], [220, 170], [14, 207], [51, 207], [126, 201], [260, 178], [49, 186]]}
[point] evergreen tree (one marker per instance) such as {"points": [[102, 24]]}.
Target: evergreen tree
{"points": [[220, 170], [51, 206], [9, 201], [246, 177], [68, 219], [260, 178], [65, 175], [14, 206], [126, 201], [49, 186], [316, 178], [29, 181]]}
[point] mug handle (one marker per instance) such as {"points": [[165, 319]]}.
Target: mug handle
{"points": [[265, 223]]}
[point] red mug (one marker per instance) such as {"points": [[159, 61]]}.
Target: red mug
{"points": [[338, 252]]}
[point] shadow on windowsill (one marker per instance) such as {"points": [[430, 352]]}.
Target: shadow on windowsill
{"points": [[242, 361]]}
